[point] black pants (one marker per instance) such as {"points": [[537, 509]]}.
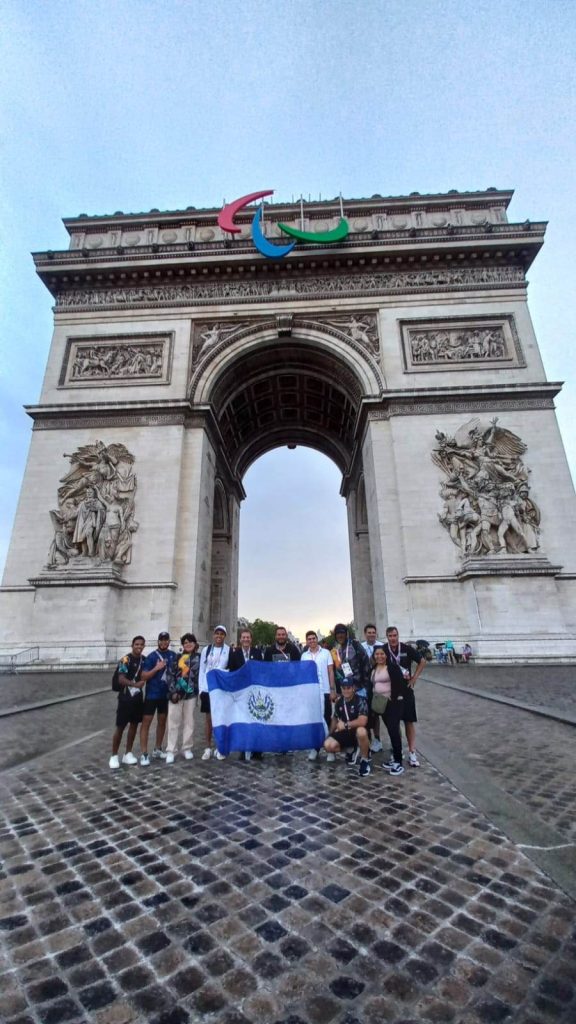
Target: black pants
{"points": [[392, 718]]}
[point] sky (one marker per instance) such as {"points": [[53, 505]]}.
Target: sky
{"points": [[132, 104]]}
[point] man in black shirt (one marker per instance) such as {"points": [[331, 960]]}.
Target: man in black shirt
{"points": [[127, 682], [283, 649], [348, 728], [400, 658]]}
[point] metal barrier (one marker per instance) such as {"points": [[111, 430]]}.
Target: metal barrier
{"points": [[10, 662]]}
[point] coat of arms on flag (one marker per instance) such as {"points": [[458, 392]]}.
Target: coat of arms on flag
{"points": [[267, 706]]}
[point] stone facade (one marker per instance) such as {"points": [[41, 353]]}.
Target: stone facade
{"points": [[405, 353]]}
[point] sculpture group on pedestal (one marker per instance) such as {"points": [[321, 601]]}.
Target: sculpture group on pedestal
{"points": [[94, 523], [487, 503]]}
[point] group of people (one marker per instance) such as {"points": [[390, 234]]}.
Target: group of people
{"points": [[361, 684]]}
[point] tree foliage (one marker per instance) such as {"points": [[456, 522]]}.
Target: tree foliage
{"points": [[263, 632]]}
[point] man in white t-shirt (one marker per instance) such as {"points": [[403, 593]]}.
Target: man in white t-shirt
{"points": [[325, 670], [369, 643], [214, 656]]}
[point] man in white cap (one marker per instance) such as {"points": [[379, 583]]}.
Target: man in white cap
{"points": [[214, 656]]}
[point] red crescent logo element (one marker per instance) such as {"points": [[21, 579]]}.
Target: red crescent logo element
{"points": [[228, 212]]}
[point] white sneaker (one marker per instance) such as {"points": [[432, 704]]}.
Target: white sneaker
{"points": [[248, 755], [159, 755], [114, 762], [312, 755], [413, 759], [207, 754], [144, 760], [219, 756], [330, 757], [169, 758], [129, 758], [188, 755], [376, 746]]}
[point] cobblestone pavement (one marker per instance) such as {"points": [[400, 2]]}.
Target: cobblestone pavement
{"points": [[540, 685], [532, 758], [281, 891]]}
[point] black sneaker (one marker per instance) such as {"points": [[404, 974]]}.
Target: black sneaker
{"points": [[352, 757], [365, 768], [396, 769]]}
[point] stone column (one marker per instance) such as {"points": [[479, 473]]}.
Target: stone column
{"points": [[193, 553], [360, 563], [387, 554], [224, 583]]}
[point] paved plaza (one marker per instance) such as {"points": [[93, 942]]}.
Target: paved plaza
{"points": [[287, 891]]}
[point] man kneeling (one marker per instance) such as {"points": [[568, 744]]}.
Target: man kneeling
{"points": [[348, 728]]}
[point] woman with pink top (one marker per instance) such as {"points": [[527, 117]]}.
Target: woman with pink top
{"points": [[384, 705]]}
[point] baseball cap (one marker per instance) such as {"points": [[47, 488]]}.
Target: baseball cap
{"points": [[164, 635], [222, 629]]}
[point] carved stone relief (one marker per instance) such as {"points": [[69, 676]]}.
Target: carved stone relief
{"points": [[377, 283], [458, 345], [121, 359], [361, 330], [94, 522], [487, 505]]}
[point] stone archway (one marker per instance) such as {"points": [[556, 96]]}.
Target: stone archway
{"points": [[266, 389]]}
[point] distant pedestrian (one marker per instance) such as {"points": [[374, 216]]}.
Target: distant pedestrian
{"points": [[127, 682], [156, 670], [348, 729], [325, 670], [214, 656], [182, 691]]}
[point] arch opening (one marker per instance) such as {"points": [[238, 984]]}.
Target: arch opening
{"points": [[294, 566], [283, 392]]}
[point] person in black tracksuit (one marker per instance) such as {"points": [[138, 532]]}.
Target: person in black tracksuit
{"points": [[237, 659]]}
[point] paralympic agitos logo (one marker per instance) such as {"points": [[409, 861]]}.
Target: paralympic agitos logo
{"points": [[226, 222]]}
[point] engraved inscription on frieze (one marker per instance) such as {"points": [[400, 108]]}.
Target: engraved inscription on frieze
{"points": [[460, 344], [120, 359], [94, 522], [488, 509]]}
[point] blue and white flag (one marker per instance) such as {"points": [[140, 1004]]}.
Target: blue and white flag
{"points": [[273, 706]]}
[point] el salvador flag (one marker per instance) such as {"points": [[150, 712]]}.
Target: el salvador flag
{"points": [[267, 706]]}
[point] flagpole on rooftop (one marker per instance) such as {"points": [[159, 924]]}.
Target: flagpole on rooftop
{"points": [[301, 212], [341, 206]]}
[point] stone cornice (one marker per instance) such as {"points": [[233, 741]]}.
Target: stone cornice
{"points": [[314, 208], [453, 236]]}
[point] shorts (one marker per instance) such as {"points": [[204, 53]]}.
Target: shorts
{"points": [[408, 707], [346, 738], [155, 704], [403, 710], [129, 712], [205, 703]]}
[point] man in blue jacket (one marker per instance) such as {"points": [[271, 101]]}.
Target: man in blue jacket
{"points": [[157, 669]]}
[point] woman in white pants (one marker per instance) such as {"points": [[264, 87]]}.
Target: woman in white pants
{"points": [[182, 691]]}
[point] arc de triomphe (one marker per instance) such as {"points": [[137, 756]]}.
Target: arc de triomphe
{"points": [[404, 351]]}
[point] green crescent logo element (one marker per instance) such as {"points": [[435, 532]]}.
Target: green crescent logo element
{"points": [[336, 235]]}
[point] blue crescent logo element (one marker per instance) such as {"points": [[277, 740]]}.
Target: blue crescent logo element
{"points": [[262, 243]]}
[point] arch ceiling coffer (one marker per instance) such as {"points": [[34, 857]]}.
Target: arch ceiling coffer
{"points": [[288, 393]]}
